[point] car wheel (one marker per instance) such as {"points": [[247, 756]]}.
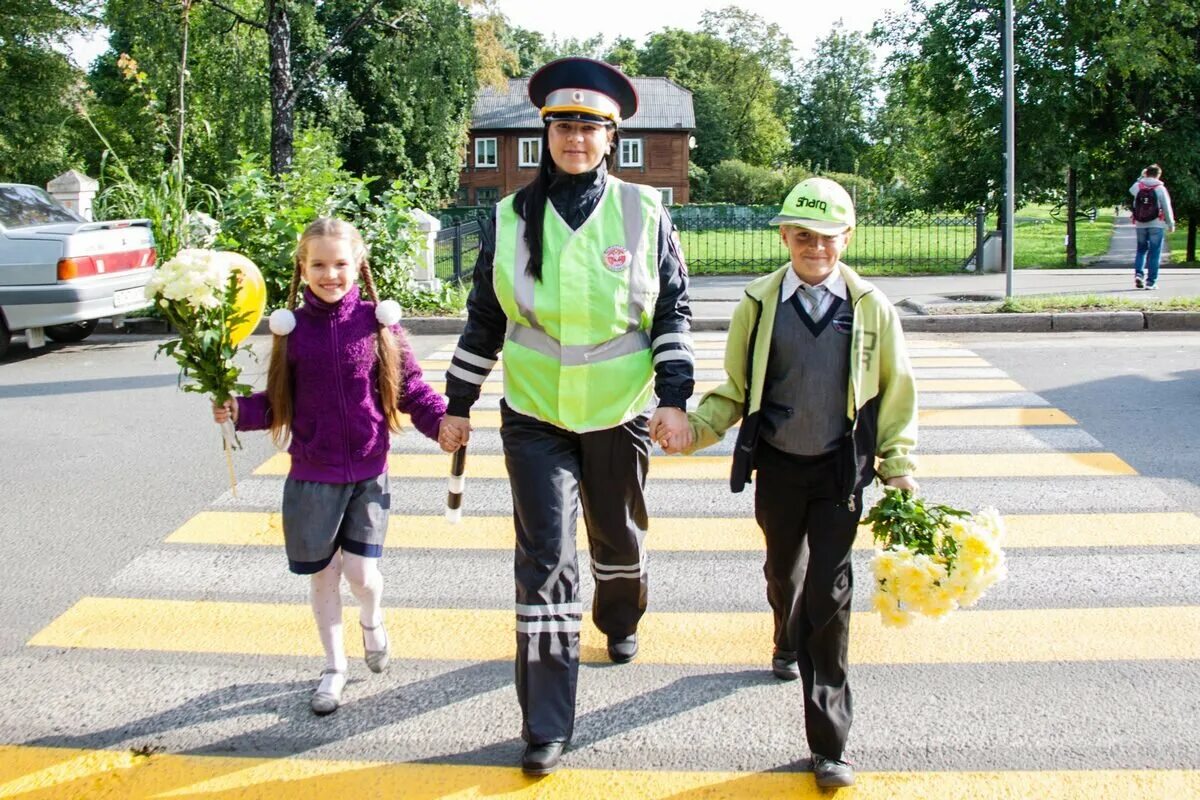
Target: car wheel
{"points": [[5, 338], [72, 331]]}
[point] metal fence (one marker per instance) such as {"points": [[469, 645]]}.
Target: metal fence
{"points": [[457, 248], [740, 239], [719, 239]]}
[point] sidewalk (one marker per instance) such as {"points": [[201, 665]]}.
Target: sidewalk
{"points": [[1122, 246]]}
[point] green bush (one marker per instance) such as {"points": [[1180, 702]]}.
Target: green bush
{"points": [[264, 215], [734, 181], [392, 239]]}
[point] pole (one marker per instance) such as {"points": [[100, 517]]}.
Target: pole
{"points": [[1010, 155], [454, 485]]}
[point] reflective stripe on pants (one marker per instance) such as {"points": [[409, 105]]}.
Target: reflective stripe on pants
{"points": [[552, 473]]}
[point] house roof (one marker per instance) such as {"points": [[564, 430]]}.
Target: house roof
{"points": [[662, 105]]}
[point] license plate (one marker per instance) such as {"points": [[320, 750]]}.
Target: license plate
{"points": [[129, 297]]}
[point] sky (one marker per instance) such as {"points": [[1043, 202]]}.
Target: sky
{"points": [[803, 21]]}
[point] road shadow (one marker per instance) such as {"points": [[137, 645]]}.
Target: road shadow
{"points": [[295, 732], [117, 384]]}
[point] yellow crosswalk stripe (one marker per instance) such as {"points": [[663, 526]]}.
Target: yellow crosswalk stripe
{"points": [[928, 417], [991, 417], [1090, 634], [496, 386], [935, 465], [68, 772], [699, 534]]}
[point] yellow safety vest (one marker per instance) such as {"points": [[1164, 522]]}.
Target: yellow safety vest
{"points": [[577, 352]]}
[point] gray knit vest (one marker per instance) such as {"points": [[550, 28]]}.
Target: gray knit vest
{"points": [[804, 399]]}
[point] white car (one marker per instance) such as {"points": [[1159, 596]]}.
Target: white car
{"points": [[60, 274]]}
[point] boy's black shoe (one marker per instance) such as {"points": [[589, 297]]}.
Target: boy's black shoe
{"points": [[832, 773], [622, 649], [784, 666], [1137, 282], [1151, 286], [541, 759]]}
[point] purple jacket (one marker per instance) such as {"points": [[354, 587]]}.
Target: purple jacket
{"points": [[339, 433]]}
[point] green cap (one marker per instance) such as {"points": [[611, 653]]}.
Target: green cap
{"points": [[818, 204]]}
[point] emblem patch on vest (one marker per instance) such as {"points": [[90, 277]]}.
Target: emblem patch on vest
{"points": [[617, 258], [843, 323]]}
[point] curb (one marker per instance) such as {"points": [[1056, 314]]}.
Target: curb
{"points": [[1047, 322]]}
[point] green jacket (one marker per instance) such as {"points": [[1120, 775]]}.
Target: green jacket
{"points": [[881, 402]]}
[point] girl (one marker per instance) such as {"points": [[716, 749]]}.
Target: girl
{"points": [[341, 373]]}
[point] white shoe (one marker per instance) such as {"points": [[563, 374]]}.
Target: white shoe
{"points": [[328, 696]]}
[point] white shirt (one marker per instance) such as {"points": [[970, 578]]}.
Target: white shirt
{"points": [[815, 300]]}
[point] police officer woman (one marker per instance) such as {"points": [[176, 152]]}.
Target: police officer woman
{"points": [[586, 293]]}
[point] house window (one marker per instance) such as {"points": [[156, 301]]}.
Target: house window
{"points": [[631, 152], [485, 153], [462, 196], [529, 152], [487, 196], [668, 195]]}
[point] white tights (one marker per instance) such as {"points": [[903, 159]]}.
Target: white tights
{"points": [[366, 582]]}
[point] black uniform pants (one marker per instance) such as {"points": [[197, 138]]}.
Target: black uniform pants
{"points": [[809, 531], [552, 472]]}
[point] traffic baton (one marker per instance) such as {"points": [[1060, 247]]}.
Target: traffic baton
{"points": [[454, 485]]}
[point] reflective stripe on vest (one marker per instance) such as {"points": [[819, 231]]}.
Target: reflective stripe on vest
{"points": [[581, 385]]}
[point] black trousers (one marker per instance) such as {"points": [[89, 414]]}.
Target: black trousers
{"points": [[552, 473], [810, 583]]}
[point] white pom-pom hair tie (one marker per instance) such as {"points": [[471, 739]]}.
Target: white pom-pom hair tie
{"points": [[281, 322], [388, 312]]}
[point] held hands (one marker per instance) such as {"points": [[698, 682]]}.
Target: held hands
{"points": [[907, 482], [453, 433], [669, 427], [226, 412]]}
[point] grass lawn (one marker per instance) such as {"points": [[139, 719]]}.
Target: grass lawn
{"points": [[1081, 302]]}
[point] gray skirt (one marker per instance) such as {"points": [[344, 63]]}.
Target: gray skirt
{"points": [[319, 518]]}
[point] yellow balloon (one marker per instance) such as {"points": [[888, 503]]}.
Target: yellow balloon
{"points": [[251, 298]]}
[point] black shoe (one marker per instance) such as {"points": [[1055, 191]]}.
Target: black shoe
{"points": [[784, 666], [832, 773], [1137, 282], [1151, 286], [541, 759], [622, 649]]}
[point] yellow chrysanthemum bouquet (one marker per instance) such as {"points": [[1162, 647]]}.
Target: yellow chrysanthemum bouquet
{"points": [[931, 559]]}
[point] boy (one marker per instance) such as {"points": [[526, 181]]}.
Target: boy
{"points": [[818, 374]]}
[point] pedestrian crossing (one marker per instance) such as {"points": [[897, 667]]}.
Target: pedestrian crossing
{"points": [[1093, 620]]}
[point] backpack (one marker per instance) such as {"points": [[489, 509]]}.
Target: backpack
{"points": [[1145, 204]]}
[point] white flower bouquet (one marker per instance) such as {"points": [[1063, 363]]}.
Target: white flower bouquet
{"points": [[931, 559], [214, 300]]}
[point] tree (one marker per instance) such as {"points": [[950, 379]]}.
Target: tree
{"points": [[730, 66], [39, 85], [944, 97], [414, 88], [136, 106], [834, 95]]}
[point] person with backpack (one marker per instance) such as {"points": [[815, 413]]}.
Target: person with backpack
{"points": [[1152, 218]]}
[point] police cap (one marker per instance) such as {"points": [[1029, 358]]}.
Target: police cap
{"points": [[583, 89]]}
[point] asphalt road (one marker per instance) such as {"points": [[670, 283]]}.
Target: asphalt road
{"points": [[1078, 674]]}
